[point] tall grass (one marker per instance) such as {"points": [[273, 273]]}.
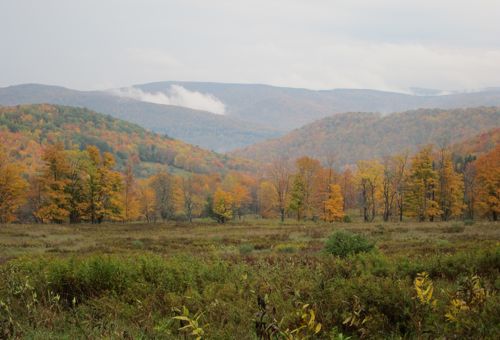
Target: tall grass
{"points": [[362, 295]]}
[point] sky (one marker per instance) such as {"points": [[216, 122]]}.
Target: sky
{"points": [[317, 44]]}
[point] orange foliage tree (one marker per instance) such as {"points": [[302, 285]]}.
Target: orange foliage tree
{"points": [[451, 187], [12, 188], [268, 200], [334, 205], [130, 195], [488, 177]]}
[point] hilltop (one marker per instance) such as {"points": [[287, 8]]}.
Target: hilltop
{"points": [[355, 136], [25, 129], [252, 112]]}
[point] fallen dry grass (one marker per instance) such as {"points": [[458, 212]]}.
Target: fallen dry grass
{"points": [[263, 236]]}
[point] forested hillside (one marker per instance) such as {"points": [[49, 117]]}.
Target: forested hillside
{"points": [[253, 112], [286, 108], [25, 129], [351, 137], [205, 129], [478, 144]]}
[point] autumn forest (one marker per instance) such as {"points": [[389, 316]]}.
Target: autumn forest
{"points": [[250, 170], [110, 230], [69, 174]]}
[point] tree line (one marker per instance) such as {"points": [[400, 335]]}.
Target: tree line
{"points": [[74, 186]]}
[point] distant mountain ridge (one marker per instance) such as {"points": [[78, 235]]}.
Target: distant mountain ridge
{"points": [[253, 113], [208, 130], [350, 137], [288, 108]]}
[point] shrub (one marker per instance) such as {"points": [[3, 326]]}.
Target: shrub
{"points": [[347, 219], [286, 248], [455, 228], [138, 244], [343, 243], [246, 249], [87, 278], [468, 222], [442, 243]]}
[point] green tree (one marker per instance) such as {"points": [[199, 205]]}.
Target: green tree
{"points": [[102, 188], [223, 205], [54, 177], [297, 196], [422, 201], [163, 185]]}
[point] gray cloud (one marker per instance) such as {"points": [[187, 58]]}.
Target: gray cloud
{"points": [[384, 44]]}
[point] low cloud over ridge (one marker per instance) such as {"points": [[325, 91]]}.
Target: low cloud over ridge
{"points": [[175, 95]]}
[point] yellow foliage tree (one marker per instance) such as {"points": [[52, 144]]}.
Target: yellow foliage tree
{"points": [[111, 186], [147, 203], [130, 196], [54, 200], [268, 200], [451, 188], [279, 176], [334, 205], [309, 170], [192, 187], [238, 185], [488, 182], [369, 181], [241, 197], [12, 188], [393, 184], [102, 188], [422, 184], [223, 205], [163, 185], [178, 199]]}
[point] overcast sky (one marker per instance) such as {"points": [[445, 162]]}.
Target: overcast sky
{"points": [[390, 44]]}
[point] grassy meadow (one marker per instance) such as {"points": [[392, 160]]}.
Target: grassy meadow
{"points": [[250, 279]]}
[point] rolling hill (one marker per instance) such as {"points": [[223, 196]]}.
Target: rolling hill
{"points": [[288, 108], [205, 129], [354, 136], [253, 112], [479, 144], [25, 129]]}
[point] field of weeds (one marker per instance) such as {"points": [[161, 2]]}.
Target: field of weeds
{"points": [[252, 279]]}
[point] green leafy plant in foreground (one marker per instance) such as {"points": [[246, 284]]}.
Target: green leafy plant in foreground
{"points": [[190, 324], [343, 243], [467, 302]]}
